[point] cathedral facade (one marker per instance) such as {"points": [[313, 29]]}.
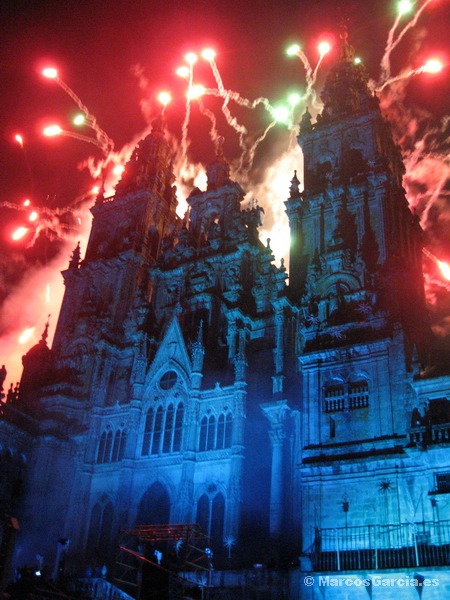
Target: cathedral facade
{"points": [[191, 380]]}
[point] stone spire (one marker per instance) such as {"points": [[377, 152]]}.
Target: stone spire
{"points": [[74, 261], [218, 172], [150, 165], [346, 90]]}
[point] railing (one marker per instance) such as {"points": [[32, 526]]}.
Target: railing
{"points": [[427, 435], [424, 544], [96, 588]]}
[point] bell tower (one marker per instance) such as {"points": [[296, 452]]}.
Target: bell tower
{"points": [[125, 240], [356, 276], [356, 246]]}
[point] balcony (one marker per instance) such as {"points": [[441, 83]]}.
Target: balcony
{"points": [[374, 547], [429, 435]]}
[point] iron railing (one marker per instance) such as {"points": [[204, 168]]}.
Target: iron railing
{"points": [[420, 544]]}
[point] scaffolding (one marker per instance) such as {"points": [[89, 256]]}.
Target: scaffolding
{"points": [[179, 553]]}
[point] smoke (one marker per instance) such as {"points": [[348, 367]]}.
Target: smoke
{"points": [[423, 141], [271, 194], [38, 295]]}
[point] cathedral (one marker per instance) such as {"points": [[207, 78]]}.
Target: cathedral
{"points": [[300, 419]]}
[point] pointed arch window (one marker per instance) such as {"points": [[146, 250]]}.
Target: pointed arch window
{"points": [[224, 430], [178, 428], [157, 431], [120, 440], [203, 433], [210, 516], [207, 433], [168, 429], [100, 528], [105, 447], [148, 431], [115, 449], [111, 447], [163, 430], [101, 448], [221, 431], [108, 446]]}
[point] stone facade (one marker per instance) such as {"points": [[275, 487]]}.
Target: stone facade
{"points": [[190, 381]]}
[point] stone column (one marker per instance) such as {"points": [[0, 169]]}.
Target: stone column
{"points": [[276, 413]]}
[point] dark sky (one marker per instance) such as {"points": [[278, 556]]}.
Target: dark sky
{"points": [[95, 44]]}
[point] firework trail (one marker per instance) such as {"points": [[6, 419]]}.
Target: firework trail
{"points": [[191, 59], [406, 74], [103, 141], [310, 76], [213, 132], [19, 139], [392, 43], [232, 121]]}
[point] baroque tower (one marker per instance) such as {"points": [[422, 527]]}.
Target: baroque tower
{"points": [[356, 275], [189, 384]]}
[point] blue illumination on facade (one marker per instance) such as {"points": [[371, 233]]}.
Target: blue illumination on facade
{"points": [[190, 381]]}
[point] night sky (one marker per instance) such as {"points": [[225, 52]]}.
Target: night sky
{"points": [[96, 46]]}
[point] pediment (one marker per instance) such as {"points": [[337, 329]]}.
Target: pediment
{"points": [[172, 353]]}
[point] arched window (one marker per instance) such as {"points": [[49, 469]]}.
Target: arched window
{"points": [[163, 430], [221, 432], [168, 429], [224, 431], [105, 447], [207, 433], [210, 516], [217, 519], [108, 446], [116, 445], [178, 428], [123, 443], [203, 513], [203, 434], [154, 507], [352, 394], [358, 394], [101, 448], [228, 430], [119, 445], [210, 439], [334, 396], [157, 432], [100, 529], [146, 443]]}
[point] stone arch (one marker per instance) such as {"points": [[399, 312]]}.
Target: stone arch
{"points": [[154, 506], [211, 514], [99, 540]]}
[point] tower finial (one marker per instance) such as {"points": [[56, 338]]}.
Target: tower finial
{"points": [[219, 146], [45, 332], [347, 51]]}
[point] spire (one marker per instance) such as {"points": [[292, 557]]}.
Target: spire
{"points": [[347, 51], [44, 336], [150, 165], [305, 123], [101, 195], [218, 172], [74, 261], [346, 90], [198, 350], [294, 189]]}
